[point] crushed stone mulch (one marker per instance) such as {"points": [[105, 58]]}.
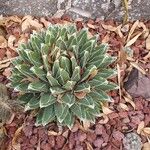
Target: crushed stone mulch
{"points": [[110, 129]]}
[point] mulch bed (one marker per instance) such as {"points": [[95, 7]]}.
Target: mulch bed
{"points": [[110, 129]]}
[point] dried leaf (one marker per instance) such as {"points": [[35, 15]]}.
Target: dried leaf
{"points": [[140, 127], [106, 38], [104, 120], [125, 28], [147, 130], [129, 100], [106, 110], [132, 29], [118, 31], [17, 134], [148, 42], [28, 22], [65, 134], [89, 147], [7, 72], [134, 64], [119, 80], [45, 22], [52, 133], [11, 41], [86, 124], [91, 26], [5, 65], [109, 27], [129, 43], [146, 146], [80, 95], [124, 106], [142, 25], [3, 42], [147, 56]]}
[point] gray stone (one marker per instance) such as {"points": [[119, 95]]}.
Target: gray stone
{"points": [[103, 9]]}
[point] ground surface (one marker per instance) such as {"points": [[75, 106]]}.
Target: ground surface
{"points": [[104, 9], [120, 117]]}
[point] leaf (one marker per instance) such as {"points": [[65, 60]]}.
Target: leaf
{"points": [[76, 74], [134, 64], [140, 127], [129, 43], [69, 120], [46, 100], [109, 86], [28, 22], [82, 37], [148, 42], [39, 72], [146, 146], [147, 130], [48, 115], [80, 95], [134, 26], [56, 90], [124, 106], [106, 110], [39, 118], [105, 119], [129, 100], [17, 134], [69, 85], [84, 59], [61, 111], [68, 99], [109, 27], [38, 86], [87, 101], [78, 111], [3, 42], [83, 87], [33, 103], [11, 40], [52, 80], [89, 70], [25, 98]]}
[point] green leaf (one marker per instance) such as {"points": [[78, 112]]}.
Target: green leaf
{"points": [[61, 111], [84, 59], [35, 42], [39, 72], [23, 86], [87, 101], [83, 87], [75, 49], [48, 115], [52, 80], [17, 61], [62, 76], [102, 61], [90, 117], [38, 86], [56, 90], [68, 99], [61, 43], [55, 68], [108, 87], [65, 64], [82, 37], [69, 85], [73, 63], [25, 70], [99, 95], [72, 40], [39, 118], [25, 98], [88, 72], [107, 73], [69, 120], [71, 29], [46, 100], [76, 74], [98, 81], [45, 49], [96, 110], [78, 111], [46, 63], [33, 103]]}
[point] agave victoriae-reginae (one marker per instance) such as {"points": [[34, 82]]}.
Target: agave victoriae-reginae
{"points": [[63, 74]]}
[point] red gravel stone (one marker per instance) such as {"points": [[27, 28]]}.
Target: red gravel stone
{"points": [[33, 140], [91, 137], [118, 135], [113, 115], [71, 140], [98, 142], [81, 136], [60, 141], [51, 140], [123, 114], [99, 129]]}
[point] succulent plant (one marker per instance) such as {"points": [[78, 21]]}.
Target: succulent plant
{"points": [[7, 106], [63, 74], [132, 141]]}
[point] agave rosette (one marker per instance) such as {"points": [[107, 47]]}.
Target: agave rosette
{"points": [[63, 74]]}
